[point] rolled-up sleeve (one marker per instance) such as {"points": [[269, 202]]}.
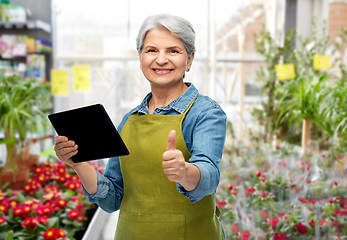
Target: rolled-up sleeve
{"points": [[207, 149], [110, 187]]}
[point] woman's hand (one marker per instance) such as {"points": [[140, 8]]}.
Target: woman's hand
{"points": [[176, 168], [174, 163], [65, 149]]}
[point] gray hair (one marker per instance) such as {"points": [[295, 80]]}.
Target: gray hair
{"points": [[178, 26]]}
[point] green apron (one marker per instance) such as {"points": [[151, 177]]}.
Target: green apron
{"points": [[152, 208]]}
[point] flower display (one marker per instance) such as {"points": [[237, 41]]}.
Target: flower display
{"points": [[273, 191], [53, 234], [50, 205]]}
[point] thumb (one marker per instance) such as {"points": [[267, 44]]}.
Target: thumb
{"points": [[171, 141]]}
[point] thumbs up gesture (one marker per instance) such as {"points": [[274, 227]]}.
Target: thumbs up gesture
{"points": [[174, 163]]}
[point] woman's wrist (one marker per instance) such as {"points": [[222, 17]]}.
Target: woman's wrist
{"points": [[191, 177]]}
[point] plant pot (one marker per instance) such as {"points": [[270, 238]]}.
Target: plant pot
{"points": [[28, 162], [15, 179], [33, 158]]}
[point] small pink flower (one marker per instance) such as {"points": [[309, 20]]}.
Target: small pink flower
{"points": [[245, 235], [235, 228], [264, 214], [221, 204]]}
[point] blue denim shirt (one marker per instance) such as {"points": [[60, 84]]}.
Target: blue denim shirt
{"points": [[203, 128]]}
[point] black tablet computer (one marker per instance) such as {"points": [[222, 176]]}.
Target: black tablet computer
{"points": [[92, 130]]}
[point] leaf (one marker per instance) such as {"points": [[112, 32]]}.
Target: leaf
{"points": [[21, 198], [53, 222], [9, 235], [77, 224]]}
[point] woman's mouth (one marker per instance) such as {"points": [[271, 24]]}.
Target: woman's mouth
{"points": [[161, 71]]}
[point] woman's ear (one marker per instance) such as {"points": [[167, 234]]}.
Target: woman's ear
{"points": [[190, 61], [140, 59]]}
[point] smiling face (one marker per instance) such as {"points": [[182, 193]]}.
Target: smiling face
{"points": [[164, 59]]}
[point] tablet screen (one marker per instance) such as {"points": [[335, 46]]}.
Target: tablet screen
{"points": [[92, 130]]}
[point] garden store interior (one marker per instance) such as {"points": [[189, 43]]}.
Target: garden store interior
{"points": [[278, 69]]}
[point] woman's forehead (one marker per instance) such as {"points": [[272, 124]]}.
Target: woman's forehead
{"points": [[161, 36]]}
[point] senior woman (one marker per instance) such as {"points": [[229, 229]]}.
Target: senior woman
{"points": [[165, 187]]}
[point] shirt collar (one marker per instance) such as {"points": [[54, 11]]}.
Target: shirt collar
{"points": [[180, 104]]}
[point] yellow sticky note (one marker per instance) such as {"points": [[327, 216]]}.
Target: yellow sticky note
{"points": [[321, 62], [59, 82], [81, 77], [285, 71]]}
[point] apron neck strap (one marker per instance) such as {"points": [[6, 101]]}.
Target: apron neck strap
{"points": [[190, 105]]}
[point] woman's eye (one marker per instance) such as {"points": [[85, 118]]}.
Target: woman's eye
{"points": [[173, 51], [150, 50]]}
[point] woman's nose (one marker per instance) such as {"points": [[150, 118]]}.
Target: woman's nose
{"points": [[161, 58]]}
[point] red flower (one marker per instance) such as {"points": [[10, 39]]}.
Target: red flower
{"points": [[42, 220], [53, 234], [279, 236], [75, 199], [21, 211], [249, 191], [336, 224], [273, 222], [235, 228], [81, 208], [245, 235], [311, 223], [60, 203], [322, 222], [264, 214], [44, 210], [32, 203], [4, 207], [60, 168], [2, 220], [231, 187], [313, 201], [29, 223], [263, 194], [338, 212], [75, 215], [51, 188], [301, 227], [3, 196], [221, 204], [303, 200]]}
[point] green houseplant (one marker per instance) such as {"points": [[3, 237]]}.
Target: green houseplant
{"points": [[18, 113]]}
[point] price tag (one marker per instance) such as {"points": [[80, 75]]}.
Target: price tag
{"points": [[285, 71], [321, 62], [59, 82], [81, 77]]}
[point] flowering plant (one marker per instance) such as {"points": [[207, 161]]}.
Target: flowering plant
{"points": [[50, 205], [274, 192]]}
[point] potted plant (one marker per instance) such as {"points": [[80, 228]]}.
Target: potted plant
{"points": [[18, 111]]}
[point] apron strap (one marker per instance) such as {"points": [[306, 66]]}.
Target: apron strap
{"points": [[190, 105]]}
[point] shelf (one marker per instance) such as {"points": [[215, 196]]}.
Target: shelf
{"points": [[32, 24]]}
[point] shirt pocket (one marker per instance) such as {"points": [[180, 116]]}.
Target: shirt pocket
{"points": [[150, 226]]}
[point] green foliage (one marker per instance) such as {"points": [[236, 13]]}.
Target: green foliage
{"points": [[316, 95], [21, 101]]}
